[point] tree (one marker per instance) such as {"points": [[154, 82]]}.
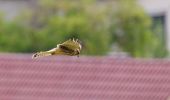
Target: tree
{"points": [[132, 30], [58, 20], [120, 22]]}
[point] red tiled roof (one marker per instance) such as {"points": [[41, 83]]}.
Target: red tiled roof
{"points": [[84, 78]]}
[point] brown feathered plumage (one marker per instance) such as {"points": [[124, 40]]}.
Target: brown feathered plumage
{"points": [[70, 47]]}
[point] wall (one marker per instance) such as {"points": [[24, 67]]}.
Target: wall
{"points": [[159, 7], [12, 8]]}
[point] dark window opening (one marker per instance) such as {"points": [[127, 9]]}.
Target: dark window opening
{"points": [[158, 28]]}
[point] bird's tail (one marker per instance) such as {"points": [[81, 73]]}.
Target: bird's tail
{"points": [[41, 54]]}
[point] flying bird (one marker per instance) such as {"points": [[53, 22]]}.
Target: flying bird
{"points": [[70, 47]]}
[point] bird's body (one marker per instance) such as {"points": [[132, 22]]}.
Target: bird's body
{"points": [[70, 47]]}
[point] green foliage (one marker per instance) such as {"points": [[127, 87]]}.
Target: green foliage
{"points": [[13, 37], [54, 21], [132, 31]]}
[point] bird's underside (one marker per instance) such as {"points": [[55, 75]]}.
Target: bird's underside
{"points": [[70, 47]]}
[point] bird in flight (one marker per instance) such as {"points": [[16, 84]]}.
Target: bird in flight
{"points": [[70, 47]]}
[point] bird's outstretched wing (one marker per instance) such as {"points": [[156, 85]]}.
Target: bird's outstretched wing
{"points": [[70, 47], [72, 44]]}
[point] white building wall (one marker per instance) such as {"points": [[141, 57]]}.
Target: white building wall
{"points": [[159, 7], [12, 8]]}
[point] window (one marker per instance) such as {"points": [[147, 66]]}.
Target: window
{"points": [[158, 27]]}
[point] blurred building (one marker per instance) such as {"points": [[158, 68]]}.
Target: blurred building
{"points": [[12, 8], [160, 12]]}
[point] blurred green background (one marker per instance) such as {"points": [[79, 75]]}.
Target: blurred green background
{"points": [[102, 27]]}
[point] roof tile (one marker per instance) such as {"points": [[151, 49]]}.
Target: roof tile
{"points": [[83, 78]]}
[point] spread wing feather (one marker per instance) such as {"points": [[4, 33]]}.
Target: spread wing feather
{"points": [[69, 47], [72, 44]]}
